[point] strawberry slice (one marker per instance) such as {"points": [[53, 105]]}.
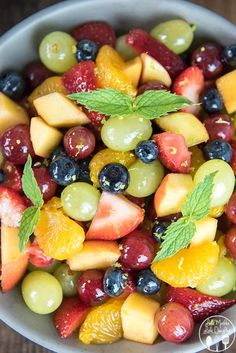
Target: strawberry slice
{"points": [[69, 316], [200, 305], [99, 32], [80, 78], [142, 42], [173, 152], [13, 176], [116, 217], [96, 118], [190, 84], [11, 207], [37, 256]]}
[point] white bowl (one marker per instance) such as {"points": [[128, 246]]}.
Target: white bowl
{"points": [[18, 47]]}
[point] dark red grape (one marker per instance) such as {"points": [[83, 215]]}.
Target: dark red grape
{"points": [[90, 287], [35, 73], [230, 242], [233, 159], [79, 142], [230, 209], [47, 186], [152, 85], [13, 175], [220, 127]]}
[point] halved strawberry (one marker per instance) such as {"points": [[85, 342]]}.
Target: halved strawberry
{"points": [[11, 207], [200, 305], [96, 118], [99, 32], [13, 176], [116, 217], [142, 42], [190, 84], [69, 316], [173, 152], [37, 256]]}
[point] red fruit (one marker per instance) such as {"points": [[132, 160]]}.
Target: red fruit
{"points": [[11, 207], [139, 201], [151, 85], [130, 287], [230, 209], [35, 73], [116, 217], [79, 142], [142, 42], [137, 250], [200, 305], [96, 118], [230, 242], [99, 32], [13, 176], [220, 127], [47, 186], [190, 84], [233, 159], [224, 223], [37, 257], [174, 323], [173, 152], [69, 316], [90, 287], [80, 78]]}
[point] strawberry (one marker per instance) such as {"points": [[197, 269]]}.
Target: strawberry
{"points": [[37, 256], [80, 78], [200, 305], [96, 118], [190, 84], [11, 207], [13, 176], [99, 32], [69, 316], [116, 217], [142, 42], [173, 152]]}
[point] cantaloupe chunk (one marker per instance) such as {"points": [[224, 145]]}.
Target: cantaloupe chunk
{"points": [[226, 85], [205, 231], [133, 69], [152, 70]]}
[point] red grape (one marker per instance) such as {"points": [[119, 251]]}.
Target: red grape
{"points": [[47, 186], [230, 209], [220, 127], [35, 73], [151, 85], [13, 176], [79, 142], [233, 159], [230, 242], [90, 287]]}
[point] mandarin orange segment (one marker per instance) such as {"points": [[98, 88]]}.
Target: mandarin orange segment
{"points": [[110, 66], [189, 267], [53, 203], [58, 236], [103, 323]]}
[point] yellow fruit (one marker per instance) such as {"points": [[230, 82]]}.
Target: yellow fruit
{"points": [[53, 203], [222, 247], [205, 231], [226, 85], [216, 212], [197, 159], [189, 267], [103, 324], [154, 71], [133, 69]]}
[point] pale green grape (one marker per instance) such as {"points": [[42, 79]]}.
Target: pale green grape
{"points": [[222, 280], [68, 280], [41, 292], [125, 132], [224, 180], [177, 35], [50, 269], [125, 50], [57, 51], [144, 178], [80, 201]]}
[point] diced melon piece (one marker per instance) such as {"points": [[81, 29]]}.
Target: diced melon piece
{"points": [[153, 71], [205, 231], [59, 111], [44, 138], [226, 85], [133, 69], [11, 114], [137, 314], [185, 124], [171, 194]]}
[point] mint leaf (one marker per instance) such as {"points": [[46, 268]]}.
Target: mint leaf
{"points": [[177, 236], [30, 185], [197, 204], [28, 221], [106, 101], [153, 104]]}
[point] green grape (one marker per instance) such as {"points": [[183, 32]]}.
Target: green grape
{"points": [[68, 280], [125, 50], [50, 269], [222, 280], [123, 133], [1, 159], [41, 292], [223, 182], [57, 51], [80, 201], [177, 35], [144, 178]]}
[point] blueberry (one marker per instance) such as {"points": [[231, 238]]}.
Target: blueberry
{"points": [[12, 85], [114, 178], [84, 172], [2, 176], [147, 151], [58, 152], [229, 55], [159, 229], [63, 170], [86, 50], [212, 101], [218, 149], [114, 282], [147, 283]]}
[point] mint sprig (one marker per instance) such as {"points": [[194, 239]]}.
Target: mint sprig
{"points": [[197, 206], [150, 105]]}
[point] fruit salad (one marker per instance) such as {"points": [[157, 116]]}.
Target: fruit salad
{"points": [[117, 177]]}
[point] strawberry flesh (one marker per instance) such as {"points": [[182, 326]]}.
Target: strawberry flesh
{"points": [[11, 207]]}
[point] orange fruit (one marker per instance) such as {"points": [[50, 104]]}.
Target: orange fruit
{"points": [[58, 236], [216, 212], [189, 267], [53, 203], [103, 323], [110, 66]]}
